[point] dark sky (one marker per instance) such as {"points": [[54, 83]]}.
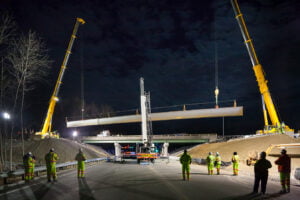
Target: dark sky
{"points": [[172, 45]]}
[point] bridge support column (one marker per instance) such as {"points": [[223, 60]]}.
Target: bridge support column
{"points": [[164, 150], [118, 155]]}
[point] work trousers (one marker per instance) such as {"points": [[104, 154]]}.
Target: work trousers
{"points": [[218, 167], [285, 180], [29, 173], [263, 179], [51, 171], [235, 166], [80, 168], [186, 170]]}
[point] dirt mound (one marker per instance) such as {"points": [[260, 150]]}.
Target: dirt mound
{"points": [[247, 146], [244, 146], [66, 150]]}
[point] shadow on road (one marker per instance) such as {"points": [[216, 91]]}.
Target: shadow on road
{"points": [[85, 193], [40, 192], [252, 196], [206, 174]]}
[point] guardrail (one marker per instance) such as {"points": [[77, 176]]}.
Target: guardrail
{"points": [[37, 170]]}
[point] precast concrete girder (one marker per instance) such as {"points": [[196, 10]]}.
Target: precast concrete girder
{"points": [[162, 116]]}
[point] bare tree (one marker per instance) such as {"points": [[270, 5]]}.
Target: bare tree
{"points": [[7, 28], [30, 63], [7, 31]]}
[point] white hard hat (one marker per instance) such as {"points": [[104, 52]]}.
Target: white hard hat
{"points": [[52, 149], [29, 153], [217, 153]]}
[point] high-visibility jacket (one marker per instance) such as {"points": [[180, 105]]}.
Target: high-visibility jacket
{"points": [[51, 158], [218, 160], [210, 160], [80, 157], [185, 159], [235, 159], [284, 164], [28, 162]]}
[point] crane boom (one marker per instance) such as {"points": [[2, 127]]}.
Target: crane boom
{"points": [[46, 129], [258, 70], [259, 73]]}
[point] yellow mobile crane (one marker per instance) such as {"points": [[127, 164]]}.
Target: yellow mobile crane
{"points": [[46, 130], [276, 126]]}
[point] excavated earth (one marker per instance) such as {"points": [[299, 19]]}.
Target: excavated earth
{"points": [[66, 150], [250, 146]]}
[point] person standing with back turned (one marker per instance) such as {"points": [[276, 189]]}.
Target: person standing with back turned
{"points": [[51, 159], [218, 163], [284, 169], [185, 161], [261, 173], [210, 161], [235, 163], [80, 157]]}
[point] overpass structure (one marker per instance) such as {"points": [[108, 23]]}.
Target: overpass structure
{"points": [[162, 116], [165, 139], [176, 138]]}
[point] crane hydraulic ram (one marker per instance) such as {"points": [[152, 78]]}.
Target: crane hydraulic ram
{"points": [[277, 126], [46, 129]]}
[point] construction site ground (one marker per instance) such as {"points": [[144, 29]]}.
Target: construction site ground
{"points": [[247, 146]]}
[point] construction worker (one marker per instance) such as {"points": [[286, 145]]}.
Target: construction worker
{"points": [[80, 157], [210, 160], [185, 161], [28, 162], [218, 162], [235, 163], [284, 169], [51, 159], [261, 173]]}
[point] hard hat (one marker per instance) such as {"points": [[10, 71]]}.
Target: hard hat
{"points": [[80, 149], [283, 151], [209, 153], [52, 149], [217, 153], [29, 153]]}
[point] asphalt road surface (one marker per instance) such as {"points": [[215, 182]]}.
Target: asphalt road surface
{"points": [[131, 181]]}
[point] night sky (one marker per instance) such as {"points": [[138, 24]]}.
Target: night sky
{"points": [[172, 45]]}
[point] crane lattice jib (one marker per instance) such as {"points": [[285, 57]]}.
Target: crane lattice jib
{"points": [[47, 123], [258, 70]]}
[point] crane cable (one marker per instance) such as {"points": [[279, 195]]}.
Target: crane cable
{"points": [[216, 69], [82, 81]]}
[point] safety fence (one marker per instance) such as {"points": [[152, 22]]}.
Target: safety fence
{"points": [[8, 177]]}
